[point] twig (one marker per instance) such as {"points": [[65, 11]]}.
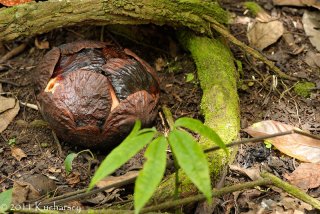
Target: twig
{"points": [[200, 197], [257, 139], [221, 29], [84, 194], [292, 190], [56, 140], [13, 52], [29, 105]]}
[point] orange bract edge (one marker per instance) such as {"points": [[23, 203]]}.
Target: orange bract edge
{"points": [[13, 2]]}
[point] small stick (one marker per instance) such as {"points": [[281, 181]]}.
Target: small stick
{"points": [[221, 29], [292, 190], [29, 105], [200, 197], [13, 52], [257, 139], [56, 140]]}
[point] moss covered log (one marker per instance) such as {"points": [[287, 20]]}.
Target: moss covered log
{"points": [[219, 105], [35, 18]]}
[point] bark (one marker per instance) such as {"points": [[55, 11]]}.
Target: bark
{"points": [[35, 18]]}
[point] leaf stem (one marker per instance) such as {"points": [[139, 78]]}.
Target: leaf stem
{"points": [[168, 115]]}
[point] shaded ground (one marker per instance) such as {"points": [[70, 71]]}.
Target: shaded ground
{"points": [[258, 102]]}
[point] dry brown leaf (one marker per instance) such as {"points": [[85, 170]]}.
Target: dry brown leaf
{"points": [[295, 145], [299, 3], [32, 187], [7, 116], [311, 25], [73, 178], [54, 169], [312, 59], [262, 34], [18, 153], [113, 179], [6, 103], [253, 173], [41, 44], [13, 2], [306, 176], [23, 191]]}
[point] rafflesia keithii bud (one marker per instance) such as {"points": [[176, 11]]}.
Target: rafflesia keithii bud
{"points": [[91, 93]]}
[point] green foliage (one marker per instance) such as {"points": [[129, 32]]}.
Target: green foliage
{"points": [[189, 77], [303, 88], [68, 162], [198, 127], [12, 142], [268, 144], [191, 159], [153, 170], [186, 150], [69, 159], [5, 200], [127, 149]]}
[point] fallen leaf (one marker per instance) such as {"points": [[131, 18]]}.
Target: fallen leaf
{"points": [[41, 44], [6, 103], [312, 59], [7, 116], [311, 25], [295, 145], [301, 3], [54, 170], [32, 187], [18, 153], [73, 178], [253, 173], [13, 2], [110, 180], [306, 176], [23, 191], [261, 34]]}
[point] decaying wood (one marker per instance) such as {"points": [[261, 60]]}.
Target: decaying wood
{"points": [[35, 18]]}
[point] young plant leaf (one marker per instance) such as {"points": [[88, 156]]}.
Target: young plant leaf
{"points": [[120, 155], [5, 200], [68, 162], [198, 127], [151, 174], [191, 159]]}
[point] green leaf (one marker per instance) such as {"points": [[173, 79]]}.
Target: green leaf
{"points": [[191, 159], [135, 129], [121, 154], [152, 173], [189, 77], [198, 127], [68, 162], [5, 200]]}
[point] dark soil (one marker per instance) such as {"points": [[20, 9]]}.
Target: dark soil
{"points": [[159, 47]]}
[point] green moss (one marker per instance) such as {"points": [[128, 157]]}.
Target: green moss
{"points": [[253, 7], [303, 88], [219, 104]]}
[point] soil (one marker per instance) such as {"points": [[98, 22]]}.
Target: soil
{"points": [[158, 47]]}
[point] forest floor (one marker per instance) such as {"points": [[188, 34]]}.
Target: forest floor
{"points": [[180, 91]]}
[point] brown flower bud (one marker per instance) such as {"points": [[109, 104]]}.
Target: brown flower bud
{"points": [[91, 93]]}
